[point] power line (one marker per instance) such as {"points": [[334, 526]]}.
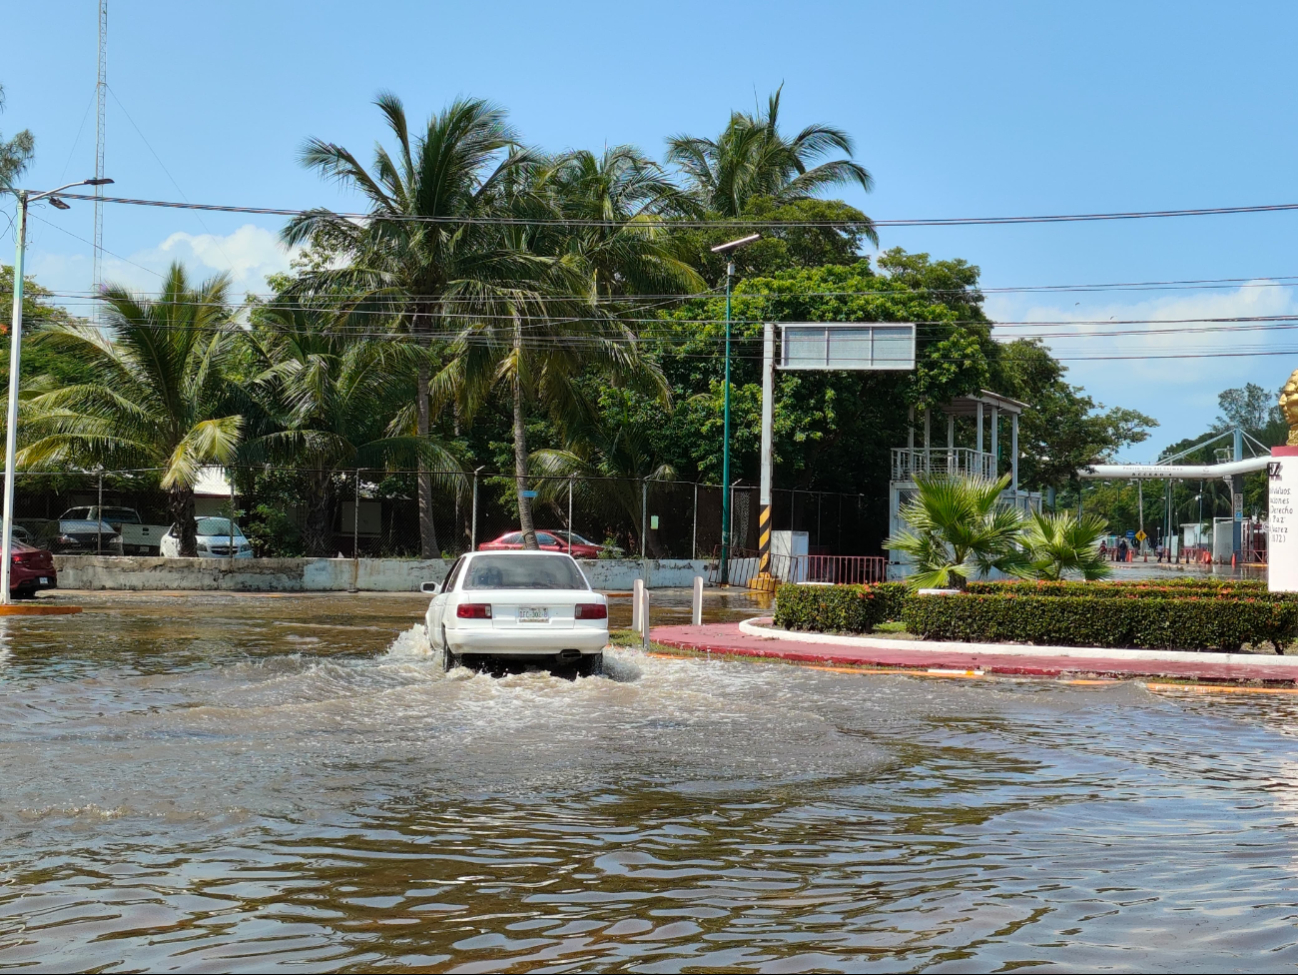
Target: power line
{"points": [[702, 224]]}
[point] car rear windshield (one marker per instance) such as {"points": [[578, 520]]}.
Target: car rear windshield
{"points": [[523, 571], [121, 514]]}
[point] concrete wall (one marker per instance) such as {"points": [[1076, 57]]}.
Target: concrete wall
{"points": [[324, 575]]}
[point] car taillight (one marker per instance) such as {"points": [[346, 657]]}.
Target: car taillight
{"points": [[473, 611], [592, 611]]}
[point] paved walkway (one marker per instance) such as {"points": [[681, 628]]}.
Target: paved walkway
{"points": [[753, 639]]}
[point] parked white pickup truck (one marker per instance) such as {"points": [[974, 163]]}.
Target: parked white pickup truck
{"points": [[137, 537]]}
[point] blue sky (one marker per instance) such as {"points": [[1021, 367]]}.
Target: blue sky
{"points": [[958, 110]]}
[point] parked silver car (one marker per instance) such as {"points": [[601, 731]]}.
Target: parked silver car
{"points": [[214, 536]]}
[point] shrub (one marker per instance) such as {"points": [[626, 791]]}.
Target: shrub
{"points": [[845, 609], [1169, 589], [1185, 622]]}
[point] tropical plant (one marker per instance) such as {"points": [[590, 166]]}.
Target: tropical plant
{"points": [[334, 402], [157, 396], [958, 529], [752, 158], [428, 252], [15, 153], [1063, 543]]}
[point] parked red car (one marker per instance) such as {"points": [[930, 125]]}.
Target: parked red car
{"points": [[549, 542], [32, 569]]}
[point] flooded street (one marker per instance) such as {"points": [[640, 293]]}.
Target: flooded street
{"points": [[253, 783]]}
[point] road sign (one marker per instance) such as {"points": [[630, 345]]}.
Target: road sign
{"points": [[1141, 536], [529, 494], [1131, 534], [847, 345]]}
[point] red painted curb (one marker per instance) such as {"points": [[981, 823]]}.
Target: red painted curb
{"points": [[726, 639]]}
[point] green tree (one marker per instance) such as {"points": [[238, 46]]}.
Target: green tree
{"points": [[428, 254], [15, 153], [1060, 544], [39, 310], [157, 396], [958, 529], [334, 402], [752, 158]]}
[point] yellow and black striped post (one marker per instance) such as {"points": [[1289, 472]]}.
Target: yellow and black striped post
{"points": [[763, 579]]}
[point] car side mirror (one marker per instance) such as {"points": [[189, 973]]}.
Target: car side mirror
{"points": [[432, 588]]}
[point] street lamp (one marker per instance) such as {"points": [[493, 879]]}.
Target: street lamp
{"points": [[723, 575], [25, 199]]}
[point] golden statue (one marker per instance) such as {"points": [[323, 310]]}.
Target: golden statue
{"points": [[1289, 407]]}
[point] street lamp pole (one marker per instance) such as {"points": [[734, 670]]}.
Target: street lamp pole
{"points": [[25, 199], [723, 574]]}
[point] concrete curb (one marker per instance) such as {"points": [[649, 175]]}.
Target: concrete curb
{"points": [[760, 626], [754, 640]]}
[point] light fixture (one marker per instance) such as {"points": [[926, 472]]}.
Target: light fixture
{"points": [[732, 245], [58, 204]]}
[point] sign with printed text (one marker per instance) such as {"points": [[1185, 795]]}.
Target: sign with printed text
{"points": [[1282, 544]]}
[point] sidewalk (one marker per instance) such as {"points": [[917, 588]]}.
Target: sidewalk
{"points": [[751, 639]]}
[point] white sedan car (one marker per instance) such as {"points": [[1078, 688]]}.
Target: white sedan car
{"points": [[520, 605], [214, 536]]}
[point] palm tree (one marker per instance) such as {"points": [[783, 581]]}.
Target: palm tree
{"points": [[958, 528], [335, 402], [15, 153], [562, 318], [158, 397], [620, 203], [1064, 543], [752, 158], [425, 255]]}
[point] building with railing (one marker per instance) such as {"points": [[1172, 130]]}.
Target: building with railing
{"points": [[986, 456]]}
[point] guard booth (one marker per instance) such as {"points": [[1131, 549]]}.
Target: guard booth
{"points": [[981, 456]]}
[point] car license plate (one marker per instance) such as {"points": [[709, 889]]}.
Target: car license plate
{"points": [[45, 580], [533, 614]]}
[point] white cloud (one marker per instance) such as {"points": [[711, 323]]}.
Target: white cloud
{"points": [[1171, 371], [248, 255]]}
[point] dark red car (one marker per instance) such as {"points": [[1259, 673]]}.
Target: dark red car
{"points": [[32, 570], [549, 542]]}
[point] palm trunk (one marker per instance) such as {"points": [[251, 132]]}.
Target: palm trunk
{"points": [[317, 533], [525, 523], [428, 547], [180, 505]]}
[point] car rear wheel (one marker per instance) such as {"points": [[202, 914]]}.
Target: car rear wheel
{"points": [[590, 665], [448, 658]]}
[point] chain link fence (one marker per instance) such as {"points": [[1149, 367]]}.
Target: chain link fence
{"points": [[367, 513]]}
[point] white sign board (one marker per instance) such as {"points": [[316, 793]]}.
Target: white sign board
{"points": [[1282, 540], [847, 345]]}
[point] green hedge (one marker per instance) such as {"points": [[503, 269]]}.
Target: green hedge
{"points": [[838, 609], [1152, 589], [1156, 622]]}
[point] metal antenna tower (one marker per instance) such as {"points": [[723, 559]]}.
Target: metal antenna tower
{"points": [[101, 94]]}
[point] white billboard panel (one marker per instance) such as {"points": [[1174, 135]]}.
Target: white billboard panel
{"points": [[847, 345]]}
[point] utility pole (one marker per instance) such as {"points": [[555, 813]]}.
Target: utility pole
{"points": [[101, 105], [25, 199], [723, 575]]}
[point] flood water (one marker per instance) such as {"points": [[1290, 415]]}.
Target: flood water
{"points": [[251, 784]]}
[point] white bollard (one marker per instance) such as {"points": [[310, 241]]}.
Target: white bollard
{"points": [[644, 618], [697, 617], [637, 592]]}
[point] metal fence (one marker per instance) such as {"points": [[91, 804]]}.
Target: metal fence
{"points": [[376, 513]]}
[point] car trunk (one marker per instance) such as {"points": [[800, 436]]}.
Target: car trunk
{"points": [[531, 609]]}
